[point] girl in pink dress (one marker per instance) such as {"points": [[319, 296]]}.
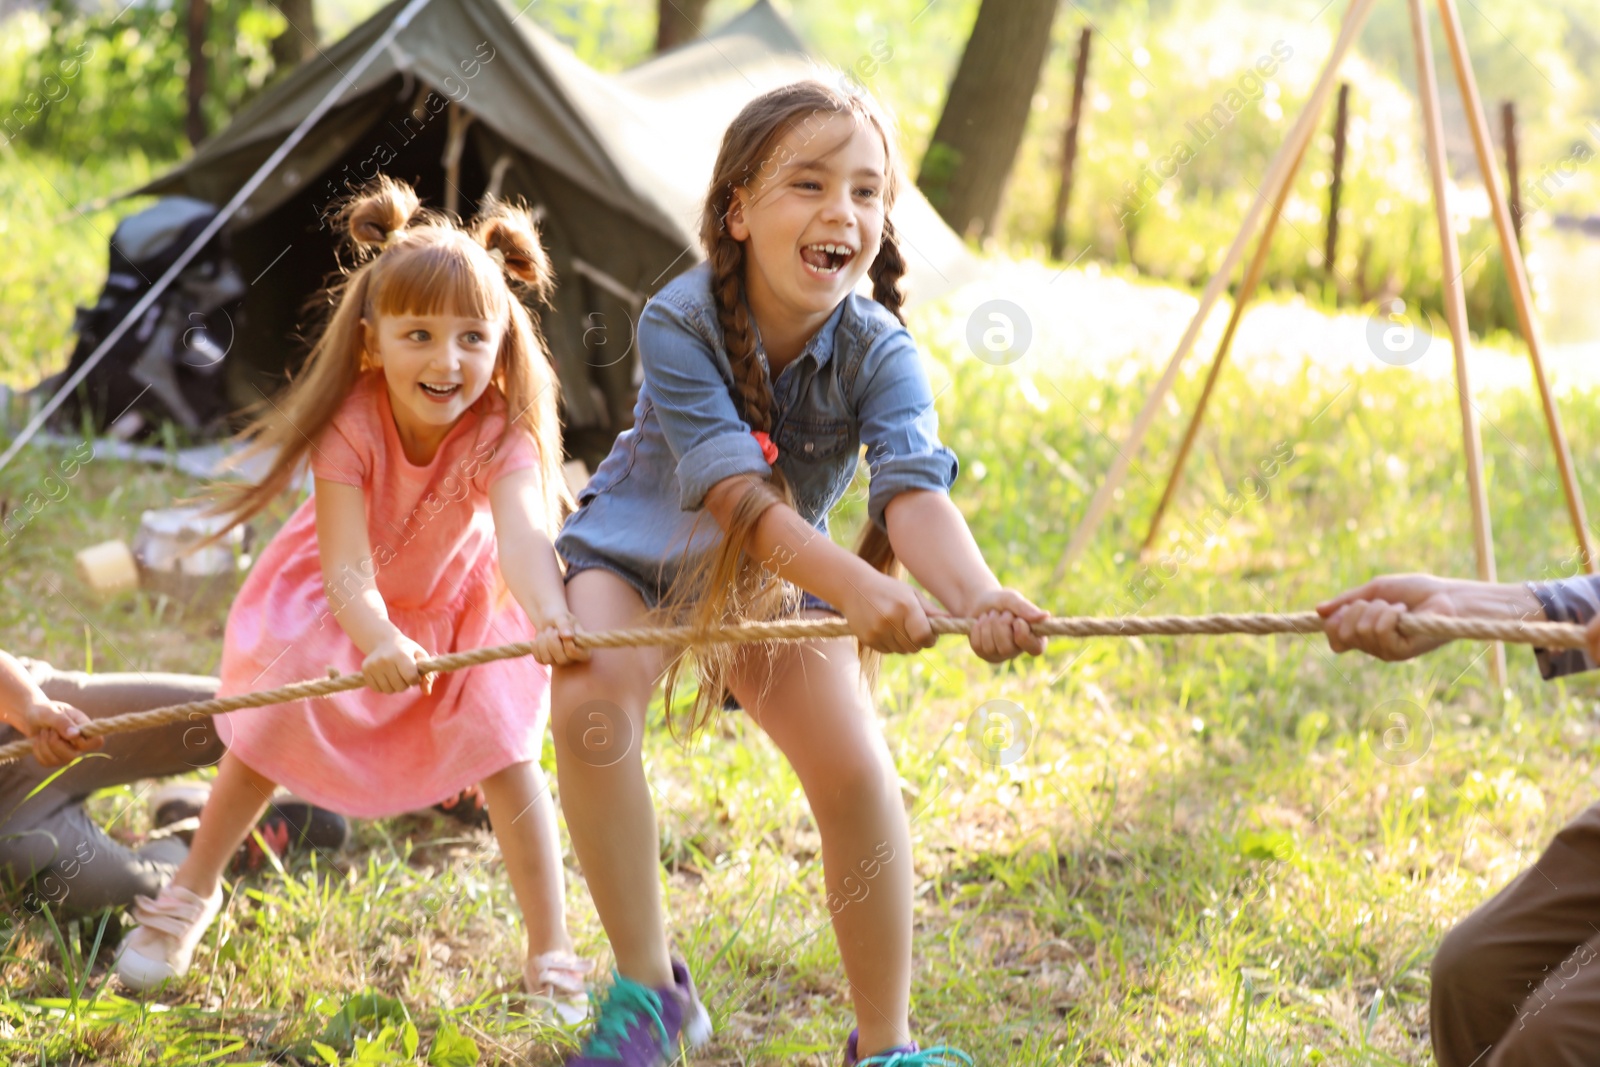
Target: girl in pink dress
{"points": [[427, 411]]}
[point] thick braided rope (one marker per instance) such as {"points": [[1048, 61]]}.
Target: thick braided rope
{"points": [[1544, 634]]}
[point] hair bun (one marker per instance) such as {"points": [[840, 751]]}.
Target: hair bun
{"points": [[378, 212], [508, 233]]}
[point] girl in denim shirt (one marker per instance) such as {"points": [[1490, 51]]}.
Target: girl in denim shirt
{"points": [[764, 374]]}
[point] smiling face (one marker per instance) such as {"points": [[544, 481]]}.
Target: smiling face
{"points": [[813, 220], [435, 367]]}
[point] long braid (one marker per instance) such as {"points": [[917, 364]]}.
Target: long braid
{"points": [[887, 270], [752, 389]]}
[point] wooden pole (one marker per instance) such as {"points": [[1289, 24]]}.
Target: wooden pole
{"points": [[1276, 175], [1455, 307], [1069, 148], [1247, 288], [1341, 119], [1516, 271], [1508, 134]]}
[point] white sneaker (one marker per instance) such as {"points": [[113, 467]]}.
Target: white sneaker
{"points": [[556, 979], [162, 945]]}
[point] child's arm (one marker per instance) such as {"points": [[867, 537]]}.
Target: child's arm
{"points": [[528, 563], [911, 474], [930, 536], [52, 725], [350, 577], [885, 614]]}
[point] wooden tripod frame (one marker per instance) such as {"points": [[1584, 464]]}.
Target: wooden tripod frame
{"points": [[1279, 180]]}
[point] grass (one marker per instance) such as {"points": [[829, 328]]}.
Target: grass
{"points": [[1211, 851]]}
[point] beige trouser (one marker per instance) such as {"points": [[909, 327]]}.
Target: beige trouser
{"points": [[1517, 984], [48, 839]]}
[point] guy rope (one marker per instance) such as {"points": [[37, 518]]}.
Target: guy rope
{"points": [[1449, 627]]}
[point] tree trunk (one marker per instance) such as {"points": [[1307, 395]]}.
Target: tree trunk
{"points": [[195, 125], [1069, 148], [969, 159], [678, 22], [1341, 122], [1508, 125], [298, 41]]}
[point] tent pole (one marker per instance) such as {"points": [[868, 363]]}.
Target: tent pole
{"points": [[1247, 289], [455, 142], [1516, 271], [1301, 132], [1455, 307], [307, 124]]}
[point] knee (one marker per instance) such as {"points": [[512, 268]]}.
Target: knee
{"points": [[1458, 965], [850, 780], [591, 726]]}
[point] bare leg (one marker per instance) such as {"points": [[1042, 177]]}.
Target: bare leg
{"points": [[811, 701], [598, 714], [238, 797], [525, 825]]}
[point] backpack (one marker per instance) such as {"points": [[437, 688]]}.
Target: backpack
{"points": [[167, 367]]}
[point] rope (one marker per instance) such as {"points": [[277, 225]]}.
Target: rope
{"points": [[1451, 628]]}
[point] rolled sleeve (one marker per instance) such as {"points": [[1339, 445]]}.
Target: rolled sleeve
{"points": [[691, 384], [899, 425], [1574, 600]]}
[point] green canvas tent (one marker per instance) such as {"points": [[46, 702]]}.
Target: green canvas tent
{"points": [[472, 97]]}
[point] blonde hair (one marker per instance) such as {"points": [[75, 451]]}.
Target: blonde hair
{"points": [[726, 586], [412, 261]]}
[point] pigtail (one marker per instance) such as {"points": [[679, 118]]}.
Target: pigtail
{"points": [[379, 215], [510, 232]]}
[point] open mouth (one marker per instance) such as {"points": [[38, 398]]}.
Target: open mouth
{"points": [[440, 391], [826, 258]]}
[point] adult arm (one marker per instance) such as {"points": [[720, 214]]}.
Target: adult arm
{"points": [[1367, 618], [50, 724]]}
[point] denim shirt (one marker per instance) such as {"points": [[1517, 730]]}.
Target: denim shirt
{"points": [[859, 380], [1574, 600]]}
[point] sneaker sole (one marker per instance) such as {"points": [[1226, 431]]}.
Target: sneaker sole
{"points": [[142, 974], [698, 1030]]}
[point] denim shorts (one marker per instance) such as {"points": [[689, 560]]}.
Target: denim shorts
{"points": [[653, 592]]}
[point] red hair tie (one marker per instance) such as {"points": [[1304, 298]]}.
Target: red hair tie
{"points": [[769, 451]]}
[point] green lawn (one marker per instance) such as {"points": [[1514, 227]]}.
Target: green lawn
{"points": [[1211, 851]]}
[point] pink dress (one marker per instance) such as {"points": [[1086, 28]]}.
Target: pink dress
{"points": [[366, 753]]}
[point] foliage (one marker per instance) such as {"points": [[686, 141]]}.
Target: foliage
{"points": [[102, 84]]}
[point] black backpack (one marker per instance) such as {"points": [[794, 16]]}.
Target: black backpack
{"points": [[167, 367]]}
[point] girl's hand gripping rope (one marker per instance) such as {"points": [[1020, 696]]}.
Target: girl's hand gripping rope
{"points": [[553, 644], [392, 666], [1002, 631]]}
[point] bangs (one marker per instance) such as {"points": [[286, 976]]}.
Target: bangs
{"points": [[453, 277], [803, 120]]}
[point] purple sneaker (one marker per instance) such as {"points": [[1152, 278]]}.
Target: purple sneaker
{"points": [[641, 1027], [905, 1056]]}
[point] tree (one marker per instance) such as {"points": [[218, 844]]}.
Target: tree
{"points": [[678, 22], [298, 41], [969, 159]]}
